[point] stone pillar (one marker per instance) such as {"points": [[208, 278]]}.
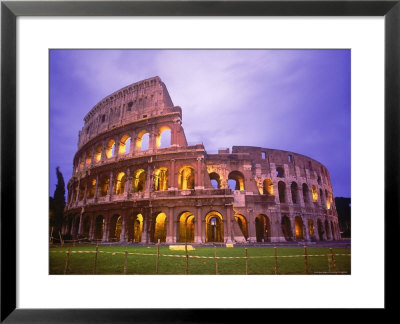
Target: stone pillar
{"points": [[124, 237], [77, 191], [306, 230], [229, 222], [116, 148], [251, 227], [93, 154], [172, 179], [145, 230], [329, 232], [293, 226], [276, 228], [96, 188], [197, 228], [132, 147], [106, 229], [103, 156], [300, 197], [152, 140], [86, 190], [80, 223], [110, 187], [92, 227], [170, 226]]}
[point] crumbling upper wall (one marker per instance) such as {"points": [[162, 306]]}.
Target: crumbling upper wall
{"points": [[137, 101]]}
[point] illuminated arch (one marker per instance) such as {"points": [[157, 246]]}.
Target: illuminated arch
{"points": [[160, 182], [125, 144], [268, 187], [160, 228], [214, 227], [314, 193], [242, 222], [110, 148], [115, 228], [186, 227], [282, 191], [286, 228], [142, 141], [91, 188], [163, 137], [263, 228], [215, 180], [104, 185], [320, 230], [186, 177], [139, 181], [89, 157], [236, 180], [305, 193], [97, 154], [311, 230], [299, 228], [295, 191], [119, 186]]}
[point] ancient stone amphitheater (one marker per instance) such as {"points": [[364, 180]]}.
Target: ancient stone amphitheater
{"points": [[136, 179]]}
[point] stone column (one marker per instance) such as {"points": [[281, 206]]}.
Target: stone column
{"points": [[132, 148], [96, 188], [116, 148], [251, 227], [329, 232], [106, 227], [77, 191], [145, 230], [300, 197], [170, 226], [80, 223], [172, 179], [123, 236], [228, 208], [152, 140], [197, 227], [306, 230], [103, 156], [93, 154], [92, 227], [293, 225], [86, 190], [276, 228], [110, 187]]}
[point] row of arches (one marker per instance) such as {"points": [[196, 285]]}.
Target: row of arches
{"points": [[214, 228], [124, 145]]}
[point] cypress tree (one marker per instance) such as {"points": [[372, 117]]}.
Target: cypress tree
{"points": [[58, 202]]}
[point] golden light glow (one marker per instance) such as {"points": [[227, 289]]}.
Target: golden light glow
{"points": [[160, 135], [241, 220], [238, 177], [314, 194], [139, 140], [138, 228], [123, 147], [214, 227], [120, 183], [97, 154], [161, 179], [89, 157], [160, 230], [104, 186], [118, 227], [268, 187], [186, 227], [186, 178], [110, 148], [91, 188], [139, 181]]}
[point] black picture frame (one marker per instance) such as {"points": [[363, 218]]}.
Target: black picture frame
{"points": [[10, 10]]}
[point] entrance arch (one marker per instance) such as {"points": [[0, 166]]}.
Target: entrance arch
{"points": [[214, 227], [320, 230], [241, 220], [99, 228], [186, 227], [160, 228], [263, 228], [299, 228], [286, 228], [311, 228], [115, 228]]}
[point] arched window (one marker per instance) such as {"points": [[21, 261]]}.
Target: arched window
{"points": [[282, 191], [305, 193], [314, 193], [160, 228], [242, 222], [214, 227], [91, 188], [186, 178], [161, 179], [110, 148], [119, 186], [164, 137], [268, 187], [139, 181], [99, 228], [215, 180], [263, 228], [142, 142], [236, 180], [89, 157], [104, 183], [125, 145], [286, 228], [97, 154], [321, 196], [299, 228], [186, 227]]}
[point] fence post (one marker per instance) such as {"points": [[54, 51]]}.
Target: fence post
{"points": [[158, 255], [216, 260], [95, 259], [187, 258], [126, 261], [305, 259], [276, 260], [247, 261], [61, 240], [67, 261], [333, 259]]}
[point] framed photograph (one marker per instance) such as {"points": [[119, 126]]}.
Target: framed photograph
{"points": [[57, 71]]}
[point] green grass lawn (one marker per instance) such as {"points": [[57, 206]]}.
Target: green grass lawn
{"points": [[109, 263]]}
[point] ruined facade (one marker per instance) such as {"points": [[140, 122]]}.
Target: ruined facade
{"points": [[136, 179]]}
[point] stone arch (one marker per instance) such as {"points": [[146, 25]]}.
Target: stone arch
{"points": [[160, 180], [305, 194], [186, 177], [163, 139], [160, 227], [294, 191], [99, 227], [115, 228], [88, 157], [143, 141], [119, 186], [320, 230], [299, 228], [110, 148], [236, 180], [97, 153], [82, 187], [282, 191], [242, 222], [214, 227], [314, 193], [286, 228], [263, 228], [268, 187], [327, 230], [139, 181], [104, 185], [86, 226], [125, 144], [186, 227], [215, 180], [91, 188], [321, 196]]}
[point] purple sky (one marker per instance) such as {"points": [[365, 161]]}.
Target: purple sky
{"points": [[295, 100]]}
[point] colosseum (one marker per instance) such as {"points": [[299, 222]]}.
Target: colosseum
{"points": [[136, 179]]}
